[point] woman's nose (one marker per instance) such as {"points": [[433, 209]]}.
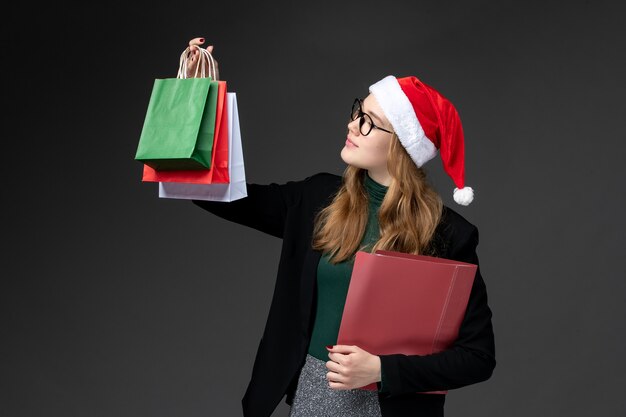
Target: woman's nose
{"points": [[353, 127]]}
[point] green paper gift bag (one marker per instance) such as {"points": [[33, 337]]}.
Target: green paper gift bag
{"points": [[179, 125]]}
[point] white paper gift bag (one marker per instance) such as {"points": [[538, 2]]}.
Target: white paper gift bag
{"points": [[236, 189]]}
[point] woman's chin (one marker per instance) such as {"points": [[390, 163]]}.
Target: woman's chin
{"points": [[350, 161], [342, 154], [345, 155]]}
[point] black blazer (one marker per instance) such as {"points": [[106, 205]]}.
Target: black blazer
{"points": [[287, 212]]}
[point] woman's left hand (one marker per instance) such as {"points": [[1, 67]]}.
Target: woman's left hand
{"points": [[351, 367]]}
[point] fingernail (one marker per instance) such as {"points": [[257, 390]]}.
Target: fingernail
{"points": [[329, 346], [201, 39]]}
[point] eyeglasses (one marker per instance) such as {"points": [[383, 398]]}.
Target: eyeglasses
{"points": [[365, 123]]}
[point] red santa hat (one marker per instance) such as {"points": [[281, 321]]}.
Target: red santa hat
{"points": [[425, 122]]}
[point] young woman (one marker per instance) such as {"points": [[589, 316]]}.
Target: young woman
{"points": [[382, 201]]}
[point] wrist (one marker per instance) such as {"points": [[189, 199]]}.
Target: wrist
{"points": [[379, 376]]}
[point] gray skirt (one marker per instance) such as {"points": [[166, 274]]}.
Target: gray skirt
{"points": [[313, 396]]}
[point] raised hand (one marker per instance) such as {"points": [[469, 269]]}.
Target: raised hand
{"points": [[195, 56]]}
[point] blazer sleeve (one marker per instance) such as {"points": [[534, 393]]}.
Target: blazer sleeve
{"points": [[264, 209], [469, 360]]}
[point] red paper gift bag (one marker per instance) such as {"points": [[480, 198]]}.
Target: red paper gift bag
{"points": [[218, 174]]}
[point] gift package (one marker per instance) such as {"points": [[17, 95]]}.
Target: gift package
{"points": [[191, 141]]}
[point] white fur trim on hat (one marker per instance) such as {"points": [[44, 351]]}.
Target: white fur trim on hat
{"points": [[399, 111]]}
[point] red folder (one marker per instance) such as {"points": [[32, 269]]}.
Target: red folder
{"points": [[403, 303]]}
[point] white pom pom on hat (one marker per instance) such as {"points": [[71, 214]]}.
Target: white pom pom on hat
{"points": [[425, 122], [463, 196]]}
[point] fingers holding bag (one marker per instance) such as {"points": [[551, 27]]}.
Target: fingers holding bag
{"points": [[196, 61]]}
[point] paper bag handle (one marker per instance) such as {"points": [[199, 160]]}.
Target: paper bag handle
{"points": [[205, 58]]}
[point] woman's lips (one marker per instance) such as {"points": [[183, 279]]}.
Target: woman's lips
{"points": [[350, 143]]}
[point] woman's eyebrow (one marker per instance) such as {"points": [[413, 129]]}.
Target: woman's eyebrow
{"points": [[375, 116]]}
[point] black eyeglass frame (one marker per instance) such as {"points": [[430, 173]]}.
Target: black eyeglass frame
{"points": [[357, 112]]}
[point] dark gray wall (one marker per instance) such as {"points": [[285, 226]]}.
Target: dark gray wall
{"points": [[117, 303]]}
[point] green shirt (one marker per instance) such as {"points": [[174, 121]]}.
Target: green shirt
{"points": [[333, 281]]}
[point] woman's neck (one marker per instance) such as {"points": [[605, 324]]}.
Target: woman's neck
{"points": [[382, 178]]}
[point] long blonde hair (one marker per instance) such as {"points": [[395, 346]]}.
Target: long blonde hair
{"points": [[408, 215]]}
